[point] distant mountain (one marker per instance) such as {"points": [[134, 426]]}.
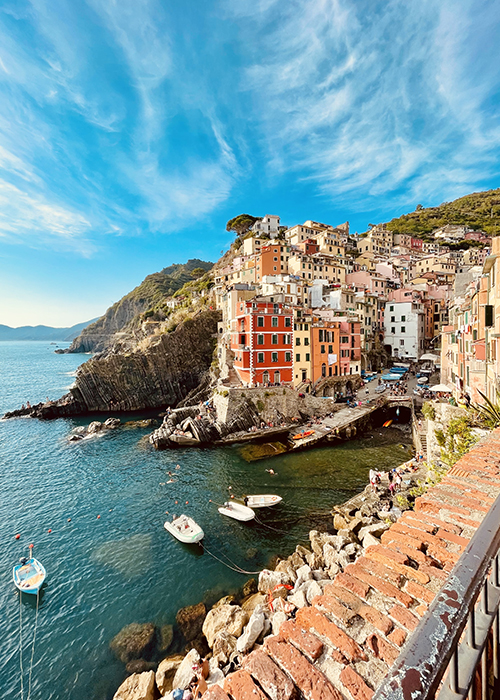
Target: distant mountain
{"points": [[43, 332], [479, 211]]}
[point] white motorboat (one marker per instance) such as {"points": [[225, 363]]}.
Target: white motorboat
{"points": [[185, 529], [262, 501], [237, 511]]}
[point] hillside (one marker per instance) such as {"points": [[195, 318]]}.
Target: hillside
{"points": [[148, 300], [47, 333], [479, 211]]}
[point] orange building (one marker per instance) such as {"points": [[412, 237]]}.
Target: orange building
{"points": [[262, 343], [335, 348], [272, 260]]}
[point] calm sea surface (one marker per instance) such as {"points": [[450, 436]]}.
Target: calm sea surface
{"points": [[104, 573]]}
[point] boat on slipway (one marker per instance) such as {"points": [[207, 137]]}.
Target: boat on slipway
{"points": [[29, 574], [262, 501], [185, 529], [237, 511]]}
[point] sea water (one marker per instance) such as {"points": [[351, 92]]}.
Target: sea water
{"points": [[105, 572]]}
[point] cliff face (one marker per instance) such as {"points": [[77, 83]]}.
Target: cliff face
{"points": [[122, 322]]}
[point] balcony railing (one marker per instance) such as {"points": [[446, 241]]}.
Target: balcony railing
{"points": [[458, 637]]}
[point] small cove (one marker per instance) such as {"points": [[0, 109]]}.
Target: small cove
{"points": [[104, 573]]}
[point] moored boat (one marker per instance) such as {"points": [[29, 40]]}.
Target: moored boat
{"points": [[262, 501], [29, 574], [185, 529], [237, 511]]}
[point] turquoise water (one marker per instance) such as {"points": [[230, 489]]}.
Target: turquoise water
{"points": [[104, 573]]}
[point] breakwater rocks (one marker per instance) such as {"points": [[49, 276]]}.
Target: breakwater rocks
{"points": [[160, 371], [258, 640]]}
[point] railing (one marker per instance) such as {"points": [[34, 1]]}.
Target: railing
{"points": [[458, 637]]}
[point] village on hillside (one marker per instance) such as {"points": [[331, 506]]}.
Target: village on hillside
{"points": [[312, 305]]}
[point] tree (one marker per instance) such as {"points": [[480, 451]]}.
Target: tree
{"points": [[197, 272], [241, 223]]}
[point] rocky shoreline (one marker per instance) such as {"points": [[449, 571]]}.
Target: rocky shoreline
{"points": [[235, 625]]}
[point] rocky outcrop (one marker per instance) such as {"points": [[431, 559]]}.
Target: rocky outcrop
{"points": [[190, 620], [135, 641], [139, 686], [230, 618], [166, 671]]}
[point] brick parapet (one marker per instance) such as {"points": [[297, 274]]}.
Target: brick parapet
{"points": [[343, 644]]}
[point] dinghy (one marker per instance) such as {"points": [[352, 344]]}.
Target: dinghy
{"points": [[262, 501], [185, 529], [29, 574], [237, 511]]}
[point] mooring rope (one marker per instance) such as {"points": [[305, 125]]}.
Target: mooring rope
{"points": [[21, 641], [33, 644], [235, 566]]}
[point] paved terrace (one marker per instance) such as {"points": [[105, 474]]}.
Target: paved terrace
{"points": [[342, 646]]}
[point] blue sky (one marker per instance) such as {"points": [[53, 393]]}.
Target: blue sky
{"points": [[132, 130]]}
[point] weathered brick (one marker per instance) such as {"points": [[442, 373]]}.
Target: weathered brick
{"points": [[355, 684], [352, 584], [394, 535], [269, 676], [305, 642], [397, 637], [311, 618], [451, 537], [429, 504], [376, 618], [380, 585], [404, 617], [421, 609], [241, 686], [412, 553], [215, 692], [380, 570], [343, 614], [385, 556], [309, 680], [394, 556], [442, 555], [419, 592], [430, 523], [409, 519], [382, 648], [434, 572]]}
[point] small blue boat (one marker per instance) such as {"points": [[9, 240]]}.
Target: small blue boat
{"points": [[29, 574]]}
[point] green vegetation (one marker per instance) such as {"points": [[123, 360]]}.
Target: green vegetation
{"points": [[429, 410], [241, 223], [488, 413], [479, 211]]}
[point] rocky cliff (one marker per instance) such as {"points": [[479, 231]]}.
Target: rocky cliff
{"points": [[122, 322]]}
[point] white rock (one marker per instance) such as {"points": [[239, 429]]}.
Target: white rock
{"points": [[350, 549], [376, 530], [277, 620], [138, 686], [334, 570], [166, 671], [330, 555], [320, 575], [230, 618], [268, 580], [298, 599], [343, 561], [312, 590], [369, 540], [304, 573], [185, 674], [252, 631]]}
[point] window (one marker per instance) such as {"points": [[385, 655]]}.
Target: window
{"points": [[323, 370], [323, 349], [393, 319], [260, 357], [306, 340], [288, 321], [274, 322], [260, 321], [260, 339], [274, 357], [403, 329], [393, 330], [401, 342], [391, 308], [308, 357], [288, 356], [344, 339], [274, 339], [297, 357], [330, 349], [320, 335], [297, 341], [276, 308], [403, 319]]}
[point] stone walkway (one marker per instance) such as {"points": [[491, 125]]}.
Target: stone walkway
{"points": [[342, 646]]}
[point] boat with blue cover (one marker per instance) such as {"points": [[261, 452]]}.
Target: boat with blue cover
{"points": [[29, 574]]}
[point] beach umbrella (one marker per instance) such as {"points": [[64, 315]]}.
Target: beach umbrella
{"points": [[429, 356], [441, 387]]}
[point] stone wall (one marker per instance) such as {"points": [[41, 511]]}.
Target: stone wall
{"points": [[444, 414]]}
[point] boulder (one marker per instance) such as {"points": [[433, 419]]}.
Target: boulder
{"points": [[268, 580], [369, 540], [277, 620], [226, 600], [355, 524], [185, 674], [316, 543], [112, 423], [166, 671], [330, 555], [231, 618], [190, 620], [252, 631], [312, 589], [200, 644], [296, 561], [140, 665], [339, 522], [302, 551], [286, 567], [224, 647], [335, 569], [315, 561], [250, 603], [298, 598], [343, 560], [139, 686], [376, 530], [319, 575], [94, 427], [165, 637], [351, 549], [304, 573], [249, 587], [135, 641]]}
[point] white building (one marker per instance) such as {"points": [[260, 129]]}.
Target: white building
{"points": [[404, 324], [268, 224]]}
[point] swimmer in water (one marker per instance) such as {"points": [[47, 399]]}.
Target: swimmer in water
{"points": [[271, 471]]}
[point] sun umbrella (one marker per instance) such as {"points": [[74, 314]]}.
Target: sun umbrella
{"points": [[441, 387]]}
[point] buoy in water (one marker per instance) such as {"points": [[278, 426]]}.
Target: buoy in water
{"points": [[18, 537], [98, 517], [187, 502], [69, 520], [49, 530], [176, 502]]}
